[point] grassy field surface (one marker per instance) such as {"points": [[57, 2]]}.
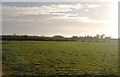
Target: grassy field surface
{"points": [[59, 58]]}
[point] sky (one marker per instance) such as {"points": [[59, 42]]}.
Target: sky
{"points": [[60, 18], [59, 0]]}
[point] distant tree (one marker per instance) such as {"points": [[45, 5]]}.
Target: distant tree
{"points": [[42, 36], [102, 36], [25, 35], [110, 37], [58, 37], [97, 36], [14, 34], [88, 36], [75, 38], [107, 38]]}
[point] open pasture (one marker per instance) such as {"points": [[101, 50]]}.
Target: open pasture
{"points": [[59, 58]]}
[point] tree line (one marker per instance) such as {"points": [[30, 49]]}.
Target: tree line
{"points": [[97, 37]]}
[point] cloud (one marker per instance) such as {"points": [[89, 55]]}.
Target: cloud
{"points": [[93, 5], [11, 13], [77, 18], [43, 9], [69, 12]]}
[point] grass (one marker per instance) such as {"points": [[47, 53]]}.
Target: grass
{"points": [[59, 58]]}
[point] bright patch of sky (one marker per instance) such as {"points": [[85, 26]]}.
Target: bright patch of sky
{"points": [[60, 18]]}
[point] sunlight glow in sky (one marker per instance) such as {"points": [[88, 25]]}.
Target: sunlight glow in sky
{"points": [[67, 19]]}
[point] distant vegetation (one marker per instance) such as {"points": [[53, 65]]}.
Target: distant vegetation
{"points": [[56, 38]]}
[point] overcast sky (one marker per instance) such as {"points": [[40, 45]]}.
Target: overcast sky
{"points": [[60, 18], [59, 0]]}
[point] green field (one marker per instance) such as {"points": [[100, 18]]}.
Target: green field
{"points": [[59, 58]]}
